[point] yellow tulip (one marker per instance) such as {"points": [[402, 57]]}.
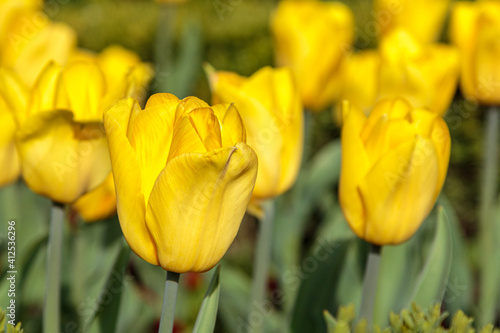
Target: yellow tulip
{"points": [[60, 137], [271, 110], [394, 164], [99, 203], [425, 74], [30, 40], [475, 30], [183, 175], [312, 38], [422, 18]]}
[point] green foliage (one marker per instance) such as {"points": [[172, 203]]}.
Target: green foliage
{"points": [[4, 324], [205, 322], [414, 319]]}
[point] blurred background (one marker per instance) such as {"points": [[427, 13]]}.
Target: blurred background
{"points": [[234, 35]]}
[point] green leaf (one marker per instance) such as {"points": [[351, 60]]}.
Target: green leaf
{"points": [[234, 309], [432, 281], [331, 323], [400, 268], [459, 292], [314, 182], [235, 291], [108, 310], [318, 277], [205, 322]]}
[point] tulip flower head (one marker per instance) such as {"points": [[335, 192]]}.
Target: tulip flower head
{"points": [[29, 39], [425, 74], [59, 138], [183, 175], [271, 110], [424, 19], [475, 30], [394, 164], [312, 38]]}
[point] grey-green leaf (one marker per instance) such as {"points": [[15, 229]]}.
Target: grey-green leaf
{"points": [[205, 322], [432, 281]]}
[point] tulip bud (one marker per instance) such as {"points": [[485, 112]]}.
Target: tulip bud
{"points": [[475, 30], [424, 19], [425, 74], [272, 113], [30, 40], [60, 137], [394, 164], [312, 38], [183, 175]]}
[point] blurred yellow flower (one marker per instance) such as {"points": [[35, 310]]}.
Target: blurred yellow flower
{"points": [[99, 203], [60, 138], [312, 38], [425, 74], [475, 30], [424, 19], [183, 175], [272, 113], [394, 164], [29, 40]]}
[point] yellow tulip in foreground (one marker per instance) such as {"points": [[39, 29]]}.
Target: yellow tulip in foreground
{"points": [[475, 29], [422, 18], [425, 74], [183, 175], [312, 38], [394, 164], [60, 137], [271, 110]]}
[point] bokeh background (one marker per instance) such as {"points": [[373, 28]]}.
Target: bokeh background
{"points": [[235, 36]]}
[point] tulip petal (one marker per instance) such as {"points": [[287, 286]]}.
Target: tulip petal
{"points": [[487, 55], [463, 31], [131, 205], [98, 204], [196, 206], [441, 137], [398, 192], [269, 105], [43, 94], [207, 126], [53, 43], [355, 165], [116, 62], [360, 81], [81, 88], [188, 104], [298, 37], [150, 137], [9, 159], [62, 159], [232, 127], [185, 139], [14, 94], [162, 98]]}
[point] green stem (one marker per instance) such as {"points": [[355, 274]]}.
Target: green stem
{"points": [[262, 261], [308, 137], [169, 300], [488, 284], [370, 285], [78, 291], [51, 309]]}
